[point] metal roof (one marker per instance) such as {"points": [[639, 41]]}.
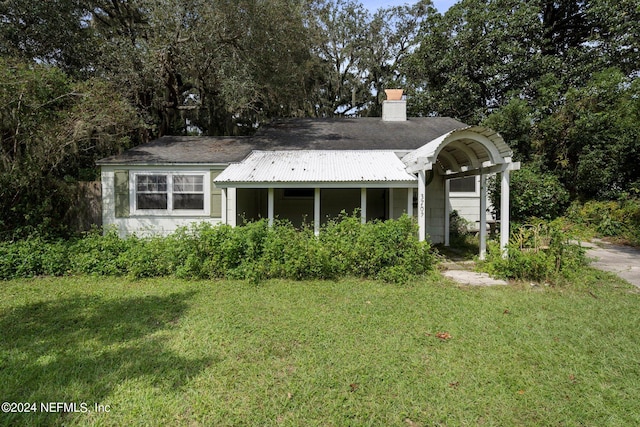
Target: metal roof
{"points": [[468, 147], [316, 166]]}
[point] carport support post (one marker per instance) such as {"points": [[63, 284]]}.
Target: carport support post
{"points": [[504, 211], [422, 209], [270, 201], [316, 211], [483, 216], [224, 206], [363, 205]]}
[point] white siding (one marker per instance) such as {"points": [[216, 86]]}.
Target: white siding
{"points": [[468, 205]]}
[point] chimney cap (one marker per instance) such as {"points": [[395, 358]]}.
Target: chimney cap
{"points": [[394, 94]]}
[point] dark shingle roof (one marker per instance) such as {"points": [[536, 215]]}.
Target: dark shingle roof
{"points": [[293, 134], [185, 149], [369, 133]]}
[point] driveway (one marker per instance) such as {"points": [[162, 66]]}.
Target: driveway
{"points": [[621, 260]]}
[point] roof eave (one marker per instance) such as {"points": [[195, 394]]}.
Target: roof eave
{"points": [[150, 164], [316, 184]]}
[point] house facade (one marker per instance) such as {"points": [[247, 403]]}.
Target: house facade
{"points": [[308, 171]]}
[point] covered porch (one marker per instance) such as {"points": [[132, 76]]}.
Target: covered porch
{"points": [[301, 205], [312, 187]]}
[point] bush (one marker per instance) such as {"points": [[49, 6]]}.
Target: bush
{"points": [[369, 250], [619, 219], [33, 257], [458, 226], [541, 252], [98, 253], [533, 194], [386, 250]]}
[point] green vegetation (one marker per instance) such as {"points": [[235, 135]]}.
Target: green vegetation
{"points": [[532, 194], [386, 250], [618, 220], [349, 352], [86, 79], [541, 251]]}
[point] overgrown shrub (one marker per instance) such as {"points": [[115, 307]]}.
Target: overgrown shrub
{"points": [[619, 219], [33, 257], [533, 194], [99, 254], [386, 250], [458, 226], [541, 252], [369, 250]]}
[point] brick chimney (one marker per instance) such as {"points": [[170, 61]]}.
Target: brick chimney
{"points": [[394, 108]]}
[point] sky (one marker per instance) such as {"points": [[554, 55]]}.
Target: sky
{"points": [[373, 5]]}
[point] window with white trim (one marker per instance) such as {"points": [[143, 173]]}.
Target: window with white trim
{"points": [[152, 192], [167, 193], [463, 185], [188, 192]]}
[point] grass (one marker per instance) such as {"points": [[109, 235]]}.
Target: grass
{"points": [[172, 352]]}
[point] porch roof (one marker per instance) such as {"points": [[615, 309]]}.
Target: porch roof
{"points": [[279, 168], [470, 147]]}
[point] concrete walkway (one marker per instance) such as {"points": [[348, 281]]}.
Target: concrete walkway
{"points": [[624, 261], [462, 273]]}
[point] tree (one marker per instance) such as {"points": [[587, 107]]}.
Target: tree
{"points": [[55, 32], [53, 129], [217, 67], [592, 140], [483, 53], [359, 54], [474, 57]]}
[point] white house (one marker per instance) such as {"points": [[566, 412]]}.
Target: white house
{"points": [[308, 170]]}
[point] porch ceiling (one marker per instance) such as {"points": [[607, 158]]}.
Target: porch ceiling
{"points": [[307, 167]]}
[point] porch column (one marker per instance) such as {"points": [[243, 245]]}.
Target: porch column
{"points": [[422, 209], [223, 202], [232, 200], [391, 203], [363, 205], [504, 211], [410, 202], [447, 212], [270, 202], [316, 211], [483, 216]]}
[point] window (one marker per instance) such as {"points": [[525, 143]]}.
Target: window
{"points": [[188, 192], [298, 193], [151, 192], [157, 193], [463, 185]]}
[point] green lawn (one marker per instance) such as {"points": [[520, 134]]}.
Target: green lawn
{"points": [[172, 352]]}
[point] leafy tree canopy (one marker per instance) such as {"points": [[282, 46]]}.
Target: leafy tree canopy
{"points": [[84, 78]]}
